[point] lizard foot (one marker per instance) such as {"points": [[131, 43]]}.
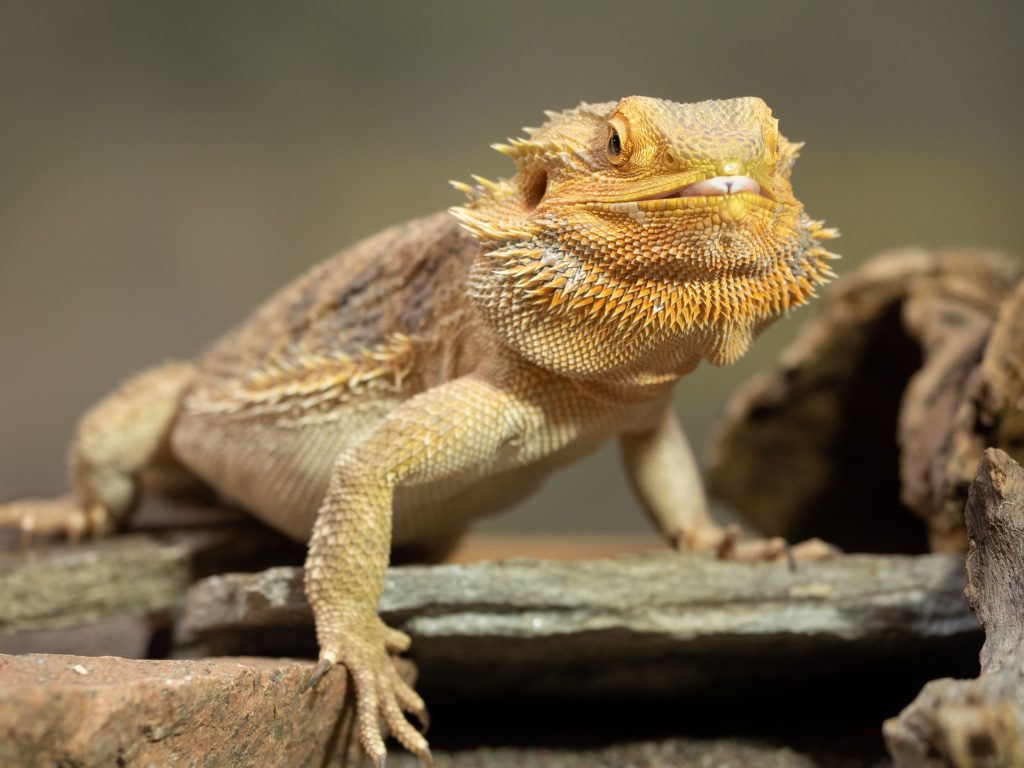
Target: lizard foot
{"points": [[47, 517], [731, 543], [380, 693]]}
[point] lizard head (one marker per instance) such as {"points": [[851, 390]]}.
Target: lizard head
{"points": [[637, 238]]}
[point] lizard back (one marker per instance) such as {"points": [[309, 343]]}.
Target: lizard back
{"points": [[387, 313]]}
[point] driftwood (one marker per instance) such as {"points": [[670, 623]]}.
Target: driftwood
{"points": [[980, 723], [882, 406]]}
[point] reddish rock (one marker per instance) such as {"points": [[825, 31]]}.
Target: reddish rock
{"points": [[77, 711], [126, 636]]}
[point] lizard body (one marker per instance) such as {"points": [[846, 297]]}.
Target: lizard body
{"points": [[313, 372], [439, 370]]}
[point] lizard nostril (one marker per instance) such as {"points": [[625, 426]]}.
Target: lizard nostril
{"points": [[731, 168]]}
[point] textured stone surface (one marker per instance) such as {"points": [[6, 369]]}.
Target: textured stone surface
{"points": [[890, 392], [128, 636], [980, 723], [141, 576], [674, 753], [77, 711], [651, 627], [640, 624], [66, 586]]}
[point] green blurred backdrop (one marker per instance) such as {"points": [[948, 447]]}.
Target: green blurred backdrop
{"points": [[165, 166]]}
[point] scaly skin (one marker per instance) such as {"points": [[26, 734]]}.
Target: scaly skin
{"points": [[438, 371]]}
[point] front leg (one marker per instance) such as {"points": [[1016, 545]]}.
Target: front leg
{"points": [[664, 475], [447, 430], [665, 478]]}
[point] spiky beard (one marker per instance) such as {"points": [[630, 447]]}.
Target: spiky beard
{"points": [[600, 290]]}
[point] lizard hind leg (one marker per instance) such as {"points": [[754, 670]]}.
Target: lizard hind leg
{"points": [[115, 441]]}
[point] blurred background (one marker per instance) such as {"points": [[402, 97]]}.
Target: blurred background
{"points": [[165, 166]]}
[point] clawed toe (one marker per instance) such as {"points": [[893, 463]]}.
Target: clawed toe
{"points": [[401, 728], [396, 641], [423, 716], [776, 549], [815, 549], [62, 516], [322, 668], [731, 543], [382, 697]]}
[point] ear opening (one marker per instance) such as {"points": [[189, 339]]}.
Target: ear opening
{"points": [[534, 187]]}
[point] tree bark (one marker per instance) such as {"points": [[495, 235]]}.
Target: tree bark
{"points": [[979, 723]]}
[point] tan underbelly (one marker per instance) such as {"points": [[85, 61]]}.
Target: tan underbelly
{"points": [[280, 473], [281, 476]]}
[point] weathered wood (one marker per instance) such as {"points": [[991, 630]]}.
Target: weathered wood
{"points": [[992, 412], [980, 723], [952, 328], [641, 623], [909, 369]]}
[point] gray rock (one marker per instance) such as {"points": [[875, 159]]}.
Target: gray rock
{"points": [[66, 586], [61, 595], [641, 624], [678, 753]]}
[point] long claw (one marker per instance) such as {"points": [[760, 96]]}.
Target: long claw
{"points": [[424, 717], [409, 700], [380, 692], [790, 557], [321, 669], [731, 536], [400, 727]]}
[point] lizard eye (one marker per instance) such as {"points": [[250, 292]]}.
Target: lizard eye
{"points": [[614, 143], [618, 140]]}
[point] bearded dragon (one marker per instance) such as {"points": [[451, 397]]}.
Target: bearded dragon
{"points": [[437, 371]]}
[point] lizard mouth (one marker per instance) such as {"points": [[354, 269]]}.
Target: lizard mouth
{"points": [[734, 192], [716, 186]]}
